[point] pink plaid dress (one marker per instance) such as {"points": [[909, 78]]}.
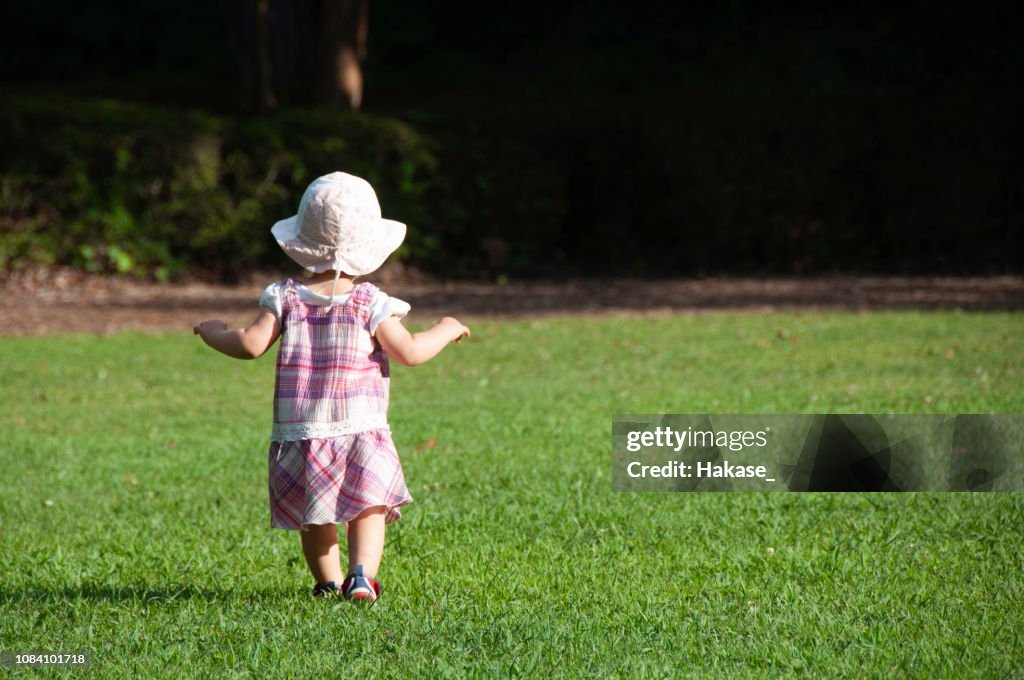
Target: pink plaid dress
{"points": [[331, 452]]}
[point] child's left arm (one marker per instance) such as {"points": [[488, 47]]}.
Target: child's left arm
{"points": [[241, 343]]}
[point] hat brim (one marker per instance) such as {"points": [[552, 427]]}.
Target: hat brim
{"points": [[318, 258], [286, 230], [394, 235], [286, 233], [390, 236]]}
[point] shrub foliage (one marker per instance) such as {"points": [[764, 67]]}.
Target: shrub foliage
{"points": [[110, 186], [753, 186]]}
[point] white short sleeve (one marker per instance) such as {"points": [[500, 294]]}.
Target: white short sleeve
{"points": [[384, 306], [271, 299]]}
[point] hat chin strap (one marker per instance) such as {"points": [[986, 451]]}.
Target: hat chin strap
{"points": [[334, 287]]}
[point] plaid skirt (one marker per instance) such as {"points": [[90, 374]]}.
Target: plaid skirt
{"points": [[331, 481]]}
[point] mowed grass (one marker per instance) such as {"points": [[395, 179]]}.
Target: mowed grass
{"points": [[134, 519]]}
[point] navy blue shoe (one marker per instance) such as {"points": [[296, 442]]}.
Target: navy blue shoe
{"points": [[329, 589], [360, 587]]}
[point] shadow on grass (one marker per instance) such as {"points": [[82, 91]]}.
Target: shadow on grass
{"points": [[168, 592]]}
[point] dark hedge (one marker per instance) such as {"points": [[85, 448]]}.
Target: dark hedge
{"points": [[754, 185], [110, 186]]}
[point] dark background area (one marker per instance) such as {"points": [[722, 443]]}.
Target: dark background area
{"points": [[584, 138]]}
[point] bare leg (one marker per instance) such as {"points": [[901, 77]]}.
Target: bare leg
{"points": [[366, 541], [320, 546]]}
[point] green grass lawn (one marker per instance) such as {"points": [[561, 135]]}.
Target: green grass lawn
{"points": [[134, 520]]}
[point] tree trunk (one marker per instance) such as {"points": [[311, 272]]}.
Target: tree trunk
{"points": [[298, 51], [267, 97], [344, 25]]}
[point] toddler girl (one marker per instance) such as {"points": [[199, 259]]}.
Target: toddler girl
{"points": [[332, 460]]}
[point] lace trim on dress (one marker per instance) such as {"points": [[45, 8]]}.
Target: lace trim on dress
{"points": [[298, 431]]}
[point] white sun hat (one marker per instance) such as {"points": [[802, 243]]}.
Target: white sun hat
{"points": [[339, 227]]}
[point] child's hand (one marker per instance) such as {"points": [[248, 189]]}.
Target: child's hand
{"points": [[455, 328], [211, 326]]}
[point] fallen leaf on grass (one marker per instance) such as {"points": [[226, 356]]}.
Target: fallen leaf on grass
{"points": [[429, 444]]}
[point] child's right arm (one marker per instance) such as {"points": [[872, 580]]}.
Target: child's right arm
{"points": [[410, 349]]}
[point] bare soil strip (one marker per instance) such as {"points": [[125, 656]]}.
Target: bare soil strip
{"points": [[48, 301]]}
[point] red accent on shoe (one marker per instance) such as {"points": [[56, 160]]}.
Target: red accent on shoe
{"points": [[362, 595]]}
